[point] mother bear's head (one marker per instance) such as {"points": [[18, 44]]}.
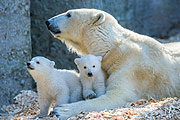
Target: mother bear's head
{"points": [[84, 30]]}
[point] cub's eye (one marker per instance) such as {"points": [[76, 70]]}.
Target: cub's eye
{"points": [[68, 15], [84, 67], [38, 62], [93, 66]]}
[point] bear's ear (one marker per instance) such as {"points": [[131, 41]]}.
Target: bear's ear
{"points": [[77, 61], [99, 58], [99, 18], [52, 63]]}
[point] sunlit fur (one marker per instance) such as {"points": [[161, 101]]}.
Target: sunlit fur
{"points": [[93, 86], [137, 65], [61, 86]]}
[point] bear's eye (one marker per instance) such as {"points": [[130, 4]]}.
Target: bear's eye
{"points": [[93, 66], [68, 15], [37, 62], [84, 67]]}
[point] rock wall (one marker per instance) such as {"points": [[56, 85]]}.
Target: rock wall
{"points": [[15, 48], [156, 18]]}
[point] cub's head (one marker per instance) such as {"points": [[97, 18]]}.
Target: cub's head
{"points": [[40, 66], [71, 26], [89, 65]]}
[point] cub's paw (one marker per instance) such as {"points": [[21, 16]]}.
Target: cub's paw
{"points": [[91, 96]]}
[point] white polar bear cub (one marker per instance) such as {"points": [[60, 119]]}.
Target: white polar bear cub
{"points": [[91, 76], [63, 86]]}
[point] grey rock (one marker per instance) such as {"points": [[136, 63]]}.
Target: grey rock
{"points": [[15, 48]]}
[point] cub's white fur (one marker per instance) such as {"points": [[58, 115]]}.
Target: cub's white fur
{"points": [[62, 86], [91, 76]]}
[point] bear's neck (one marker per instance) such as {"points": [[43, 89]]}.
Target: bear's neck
{"points": [[99, 40], [77, 47], [43, 77]]}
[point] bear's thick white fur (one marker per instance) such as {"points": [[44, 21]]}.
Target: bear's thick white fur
{"points": [[62, 86], [137, 65], [91, 76]]}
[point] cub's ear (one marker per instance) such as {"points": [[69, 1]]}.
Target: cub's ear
{"points": [[99, 18], [52, 63], [100, 58], [77, 61]]}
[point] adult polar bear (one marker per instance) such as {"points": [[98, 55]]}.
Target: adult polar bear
{"points": [[138, 66]]}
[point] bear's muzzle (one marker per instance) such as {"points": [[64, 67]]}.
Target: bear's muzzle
{"points": [[54, 29]]}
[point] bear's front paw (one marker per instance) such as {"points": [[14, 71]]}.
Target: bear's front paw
{"points": [[91, 96], [63, 112]]}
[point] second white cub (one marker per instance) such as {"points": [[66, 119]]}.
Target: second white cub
{"points": [[91, 75]]}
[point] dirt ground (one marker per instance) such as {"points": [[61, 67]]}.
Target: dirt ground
{"points": [[26, 107]]}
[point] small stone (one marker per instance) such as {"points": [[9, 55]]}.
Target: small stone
{"points": [[27, 7], [22, 83], [140, 102], [133, 104]]}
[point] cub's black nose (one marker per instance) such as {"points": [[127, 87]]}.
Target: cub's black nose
{"points": [[90, 74], [28, 64], [47, 23]]}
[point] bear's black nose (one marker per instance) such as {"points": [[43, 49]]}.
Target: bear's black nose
{"points": [[28, 64], [90, 74], [47, 23], [52, 27]]}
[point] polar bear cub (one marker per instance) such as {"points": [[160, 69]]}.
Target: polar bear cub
{"points": [[62, 86], [91, 76]]}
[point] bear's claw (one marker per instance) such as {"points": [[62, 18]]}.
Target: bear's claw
{"points": [[55, 113], [91, 96]]}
